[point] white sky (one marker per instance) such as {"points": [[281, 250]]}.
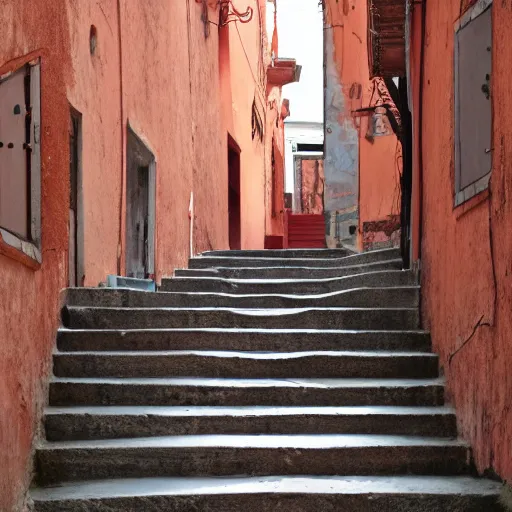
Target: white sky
{"points": [[300, 28]]}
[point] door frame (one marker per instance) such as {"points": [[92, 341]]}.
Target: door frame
{"points": [[79, 221], [148, 160], [233, 147]]}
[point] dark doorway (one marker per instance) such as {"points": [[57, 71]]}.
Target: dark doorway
{"points": [[140, 203], [235, 237], [75, 241]]}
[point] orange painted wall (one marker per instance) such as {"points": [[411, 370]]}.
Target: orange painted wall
{"points": [[379, 163], [466, 252], [172, 97], [246, 56]]}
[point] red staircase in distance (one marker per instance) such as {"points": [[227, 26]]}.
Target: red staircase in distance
{"points": [[306, 231]]}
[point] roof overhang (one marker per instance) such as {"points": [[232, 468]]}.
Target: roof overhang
{"points": [[386, 38], [283, 71]]}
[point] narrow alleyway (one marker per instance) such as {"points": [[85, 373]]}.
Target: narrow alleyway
{"points": [[293, 381]]}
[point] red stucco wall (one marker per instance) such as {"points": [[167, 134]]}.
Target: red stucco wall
{"points": [[466, 256], [28, 298], [173, 98]]}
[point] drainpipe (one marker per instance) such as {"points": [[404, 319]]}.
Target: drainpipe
{"points": [[191, 223], [420, 120], [121, 109]]}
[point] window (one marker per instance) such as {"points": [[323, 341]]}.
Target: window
{"points": [[20, 185], [473, 121]]}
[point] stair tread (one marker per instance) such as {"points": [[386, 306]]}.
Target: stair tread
{"points": [[238, 311], [238, 411], [251, 355], [257, 383], [459, 485], [256, 330], [344, 267], [258, 441], [281, 280], [291, 295], [392, 253]]}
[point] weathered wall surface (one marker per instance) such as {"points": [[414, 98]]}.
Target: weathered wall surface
{"points": [[94, 90], [312, 189], [361, 173], [153, 70], [466, 257], [341, 163], [28, 304], [248, 86]]}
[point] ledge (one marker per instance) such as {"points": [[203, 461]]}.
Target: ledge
{"points": [[472, 190], [283, 72], [20, 250]]}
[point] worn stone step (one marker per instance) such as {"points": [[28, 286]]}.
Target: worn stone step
{"points": [[403, 296], [274, 494], [222, 455], [81, 423], [382, 279], [255, 261], [237, 392], [262, 340], [291, 253], [310, 272], [248, 365], [306, 318]]}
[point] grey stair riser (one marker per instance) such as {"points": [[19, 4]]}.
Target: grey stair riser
{"points": [[311, 272], [361, 298], [292, 253], [231, 262], [267, 259], [259, 341], [69, 427], [103, 318], [284, 502], [65, 394], [195, 365], [394, 278], [71, 464]]}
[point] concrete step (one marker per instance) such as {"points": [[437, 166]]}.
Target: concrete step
{"points": [[222, 455], [262, 340], [246, 392], [382, 279], [250, 365], [309, 272], [255, 261], [288, 253], [274, 494], [82, 423], [404, 296], [306, 318]]}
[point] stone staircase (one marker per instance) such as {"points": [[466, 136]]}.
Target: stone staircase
{"points": [[293, 381]]}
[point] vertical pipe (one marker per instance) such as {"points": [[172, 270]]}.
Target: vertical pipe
{"points": [[121, 110]]}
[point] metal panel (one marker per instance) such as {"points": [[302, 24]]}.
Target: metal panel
{"points": [[14, 195], [473, 123], [35, 142]]}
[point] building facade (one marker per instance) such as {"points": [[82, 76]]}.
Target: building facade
{"points": [[133, 135], [455, 56], [363, 158]]}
